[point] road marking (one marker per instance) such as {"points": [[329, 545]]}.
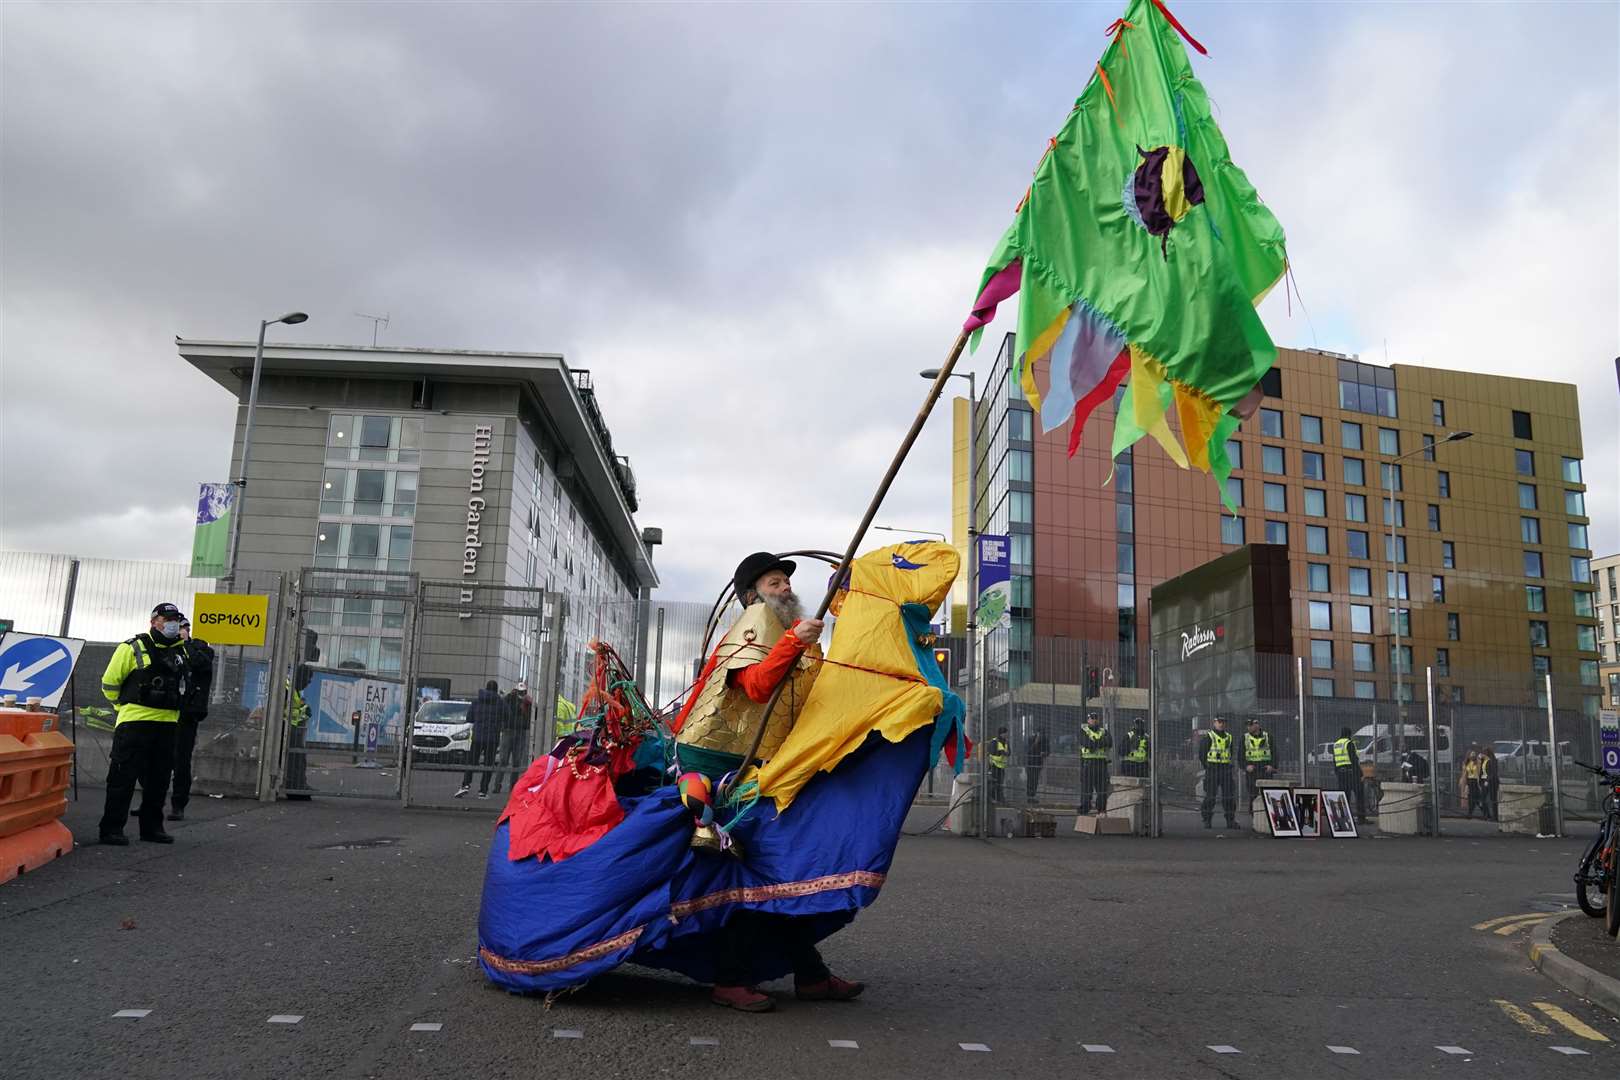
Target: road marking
{"points": [[1345, 1050], [1458, 1050], [843, 1044], [1522, 1018], [1575, 1025], [1522, 924], [1097, 1048], [978, 1047], [566, 1033], [284, 1018], [702, 1040], [426, 1027], [1570, 1050], [1224, 1049], [1488, 923], [132, 1014]]}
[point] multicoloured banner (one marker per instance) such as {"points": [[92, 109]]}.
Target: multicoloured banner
{"points": [[212, 538], [995, 583]]}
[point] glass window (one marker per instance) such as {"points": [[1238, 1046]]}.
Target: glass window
{"points": [[1527, 496], [1445, 484], [1355, 543], [1361, 622], [1317, 577], [1394, 548], [1125, 558], [1401, 661], [1276, 498], [1521, 425], [1389, 441], [1390, 476], [1437, 587], [1021, 465], [338, 430], [1231, 529], [405, 493], [1428, 448], [1355, 471], [1535, 598], [1448, 554], [1019, 424], [1271, 460], [1400, 512], [1321, 653], [1434, 518], [1405, 615], [1321, 687], [1575, 503], [1361, 656], [1583, 606], [1124, 516], [1276, 532], [1234, 453], [410, 437], [1586, 638], [1311, 466], [369, 487], [1234, 490], [1316, 539], [1580, 568], [1366, 689], [1589, 672], [1360, 581], [1532, 564], [1393, 580], [365, 541], [333, 490], [1572, 470], [328, 543], [1439, 414], [1021, 549], [374, 431], [1530, 530], [1578, 537], [399, 546], [1316, 504], [1355, 507], [1271, 423], [1124, 475], [1021, 510], [1453, 626], [1541, 665], [1321, 615], [1310, 429], [1538, 634], [1349, 435], [1524, 462]]}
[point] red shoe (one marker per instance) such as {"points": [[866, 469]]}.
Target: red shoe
{"points": [[742, 998], [832, 988]]}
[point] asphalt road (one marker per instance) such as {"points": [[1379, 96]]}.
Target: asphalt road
{"points": [[359, 918]]}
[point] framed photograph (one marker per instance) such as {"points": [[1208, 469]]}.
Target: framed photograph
{"points": [[1336, 807], [1280, 812], [1308, 811]]}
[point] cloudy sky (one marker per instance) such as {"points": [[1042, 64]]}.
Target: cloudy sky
{"points": [[754, 223]]}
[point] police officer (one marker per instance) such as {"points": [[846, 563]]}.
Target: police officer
{"points": [[1347, 769], [998, 764], [1133, 755], [200, 664], [1258, 761], [1095, 742], [1215, 751], [148, 679]]}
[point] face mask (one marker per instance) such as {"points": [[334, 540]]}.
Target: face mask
{"points": [[170, 630]]}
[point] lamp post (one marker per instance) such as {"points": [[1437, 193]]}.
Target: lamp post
{"points": [[292, 318], [909, 532], [1393, 589]]}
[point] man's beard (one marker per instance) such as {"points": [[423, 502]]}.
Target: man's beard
{"points": [[785, 607]]}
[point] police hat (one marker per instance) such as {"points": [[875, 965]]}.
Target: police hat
{"points": [[756, 566], [166, 611]]}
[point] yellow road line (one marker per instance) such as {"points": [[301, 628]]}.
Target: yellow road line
{"points": [[1513, 927], [1488, 923], [1576, 1026], [1522, 1018]]}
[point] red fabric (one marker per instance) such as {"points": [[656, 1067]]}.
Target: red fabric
{"points": [[1096, 395], [567, 815], [950, 749]]}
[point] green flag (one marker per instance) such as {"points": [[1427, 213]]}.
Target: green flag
{"points": [[212, 538]]}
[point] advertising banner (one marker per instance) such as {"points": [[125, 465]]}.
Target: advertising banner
{"points": [[213, 532], [994, 610], [342, 704]]}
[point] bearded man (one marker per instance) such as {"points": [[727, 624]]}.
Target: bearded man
{"points": [[770, 641]]}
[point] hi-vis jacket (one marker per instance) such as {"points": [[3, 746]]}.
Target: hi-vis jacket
{"points": [[132, 656]]}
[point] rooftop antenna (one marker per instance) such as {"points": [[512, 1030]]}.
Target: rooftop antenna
{"points": [[376, 321]]}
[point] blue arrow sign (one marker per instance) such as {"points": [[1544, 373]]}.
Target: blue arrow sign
{"points": [[39, 667]]}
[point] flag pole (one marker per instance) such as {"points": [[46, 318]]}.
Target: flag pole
{"points": [[923, 412]]}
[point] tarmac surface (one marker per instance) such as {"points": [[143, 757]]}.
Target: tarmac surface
{"points": [[1204, 955]]}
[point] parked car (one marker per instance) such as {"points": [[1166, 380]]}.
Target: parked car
{"points": [[1376, 743], [442, 732], [1529, 756]]}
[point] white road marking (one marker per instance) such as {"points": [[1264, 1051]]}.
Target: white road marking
{"points": [[1224, 1049], [1097, 1048], [703, 1040], [284, 1018], [426, 1027], [1571, 1051], [1344, 1050], [1458, 1050], [843, 1044], [566, 1033], [131, 1014], [980, 1047]]}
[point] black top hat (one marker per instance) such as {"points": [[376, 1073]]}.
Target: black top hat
{"points": [[757, 566]]}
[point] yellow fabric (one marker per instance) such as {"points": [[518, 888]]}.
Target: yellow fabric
{"points": [[1471, 769], [119, 668], [1199, 414], [846, 704], [1170, 182], [1151, 403]]}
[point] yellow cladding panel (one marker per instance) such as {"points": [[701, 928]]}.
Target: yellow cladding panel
{"points": [[224, 619]]}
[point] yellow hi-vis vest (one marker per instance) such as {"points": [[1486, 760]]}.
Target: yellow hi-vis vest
{"points": [[1471, 769], [1139, 746], [1257, 748], [1091, 743], [998, 753], [1344, 753], [1220, 748]]}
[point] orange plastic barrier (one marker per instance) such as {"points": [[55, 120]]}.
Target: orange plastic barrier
{"points": [[33, 848], [34, 770]]}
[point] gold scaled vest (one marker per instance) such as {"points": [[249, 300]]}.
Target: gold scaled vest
{"points": [[725, 718]]}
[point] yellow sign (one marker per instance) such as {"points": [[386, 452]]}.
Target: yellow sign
{"points": [[223, 619]]}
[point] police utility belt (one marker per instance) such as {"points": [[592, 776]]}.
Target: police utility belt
{"points": [[161, 677]]}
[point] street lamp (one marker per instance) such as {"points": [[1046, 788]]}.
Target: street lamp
{"points": [[910, 532], [1393, 588], [292, 318]]}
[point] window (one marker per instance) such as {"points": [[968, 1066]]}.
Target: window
{"points": [[1271, 423], [1521, 425], [1231, 530], [1271, 460], [1389, 441], [1271, 382], [1527, 496], [1321, 687], [1349, 435], [1019, 425], [1434, 518], [1316, 506], [1400, 660], [1437, 588], [1442, 662], [1445, 484], [1575, 503], [1310, 429], [1355, 541], [1021, 510], [1572, 470], [1361, 622], [1577, 536], [1321, 615], [1404, 614], [1124, 475], [1355, 472], [1532, 564], [1316, 540], [1580, 568], [1586, 638], [1538, 634], [1524, 463], [1276, 498], [1234, 491], [1317, 577], [1394, 548], [1361, 656], [369, 485], [1321, 654], [1360, 581], [1589, 672], [1541, 665], [1021, 549], [1530, 530], [374, 431], [1276, 532], [1439, 413], [1365, 689], [1400, 513], [1021, 465], [1448, 555], [1428, 448], [1583, 607], [1390, 476], [1393, 580], [1234, 453], [1311, 466], [1125, 558], [1366, 388], [1355, 507], [1535, 598], [1453, 626]]}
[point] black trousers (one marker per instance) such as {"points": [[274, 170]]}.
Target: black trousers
{"points": [[483, 753], [1133, 768], [514, 746], [1219, 778], [1349, 777], [143, 752], [185, 741], [748, 933], [1093, 784], [1032, 780], [997, 775], [1261, 772]]}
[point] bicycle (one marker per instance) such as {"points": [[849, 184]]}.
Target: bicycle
{"points": [[1599, 869]]}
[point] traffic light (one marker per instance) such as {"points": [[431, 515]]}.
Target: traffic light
{"points": [[1093, 682]]}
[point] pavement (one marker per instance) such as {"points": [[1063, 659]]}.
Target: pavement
{"points": [[334, 938]]}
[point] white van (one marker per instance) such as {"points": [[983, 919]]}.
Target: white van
{"points": [[1529, 757], [1376, 743]]}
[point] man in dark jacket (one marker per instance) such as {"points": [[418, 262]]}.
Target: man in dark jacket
{"points": [[1034, 758], [1259, 761], [486, 714], [513, 753], [1347, 771], [200, 662]]}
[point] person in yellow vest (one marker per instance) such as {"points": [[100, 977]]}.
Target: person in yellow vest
{"points": [[998, 766], [147, 678], [1095, 742], [1133, 753], [1471, 779], [1347, 770], [1259, 763], [1216, 751]]}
